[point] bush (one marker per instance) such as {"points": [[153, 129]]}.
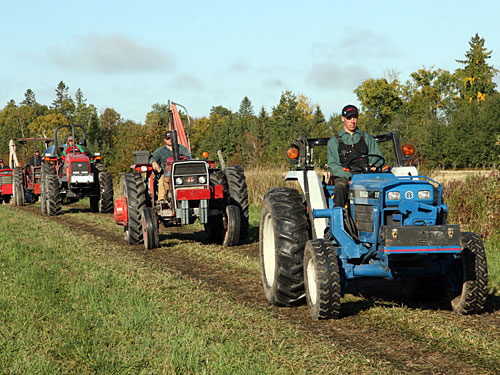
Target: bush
{"points": [[475, 204]]}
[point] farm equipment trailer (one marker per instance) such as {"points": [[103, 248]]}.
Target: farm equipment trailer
{"points": [[393, 227]]}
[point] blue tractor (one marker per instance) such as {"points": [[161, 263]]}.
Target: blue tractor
{"points": [[393, 227]]}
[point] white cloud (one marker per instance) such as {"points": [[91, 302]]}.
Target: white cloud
{"points": [[114, 53], [334, 76]]}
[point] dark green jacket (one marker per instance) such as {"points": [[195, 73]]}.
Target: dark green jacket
{"points": [[333, 157], [162, 153]]}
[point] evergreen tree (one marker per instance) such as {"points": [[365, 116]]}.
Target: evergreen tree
{"points": [[477, 75]]}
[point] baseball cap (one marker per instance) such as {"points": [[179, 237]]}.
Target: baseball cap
{"points": [[349, 110], [70, 138]]}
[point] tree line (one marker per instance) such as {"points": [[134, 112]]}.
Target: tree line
{"points": [[452, 117]]}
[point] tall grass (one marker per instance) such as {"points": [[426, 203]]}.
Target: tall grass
{"points": [[261, 179]]}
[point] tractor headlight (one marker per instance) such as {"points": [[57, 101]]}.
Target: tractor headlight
{"points": [[424, 194], [393, 195], [179, 181], [202, 179], [144, 168]]}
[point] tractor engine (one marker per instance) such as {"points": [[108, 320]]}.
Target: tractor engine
{"points": [[77, 169]]}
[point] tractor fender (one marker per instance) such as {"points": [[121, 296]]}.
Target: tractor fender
{"points": [[316, 196], [121, 211]]}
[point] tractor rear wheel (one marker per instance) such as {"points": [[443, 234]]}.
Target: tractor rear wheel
{"points": [[283, 235], [322, 279], [18, 188], [238, 195], [54, 198], [217, 177], [133, 189], [469, 282], [150, 228]]}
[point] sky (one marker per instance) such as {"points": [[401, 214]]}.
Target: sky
{"points": [[128, 55]]}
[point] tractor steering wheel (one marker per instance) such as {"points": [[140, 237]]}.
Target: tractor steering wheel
{"points": [[377, 164]]}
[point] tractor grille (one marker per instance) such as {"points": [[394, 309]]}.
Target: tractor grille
{"points": [[79, 168], [5, 180], [190, 168], [364, 217]]}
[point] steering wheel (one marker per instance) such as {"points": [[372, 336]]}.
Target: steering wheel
{"points": [[377, 164]]}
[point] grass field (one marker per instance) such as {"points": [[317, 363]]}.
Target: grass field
{"points": [[75, 299]]}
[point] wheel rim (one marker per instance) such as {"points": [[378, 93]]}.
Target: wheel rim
{"points": [[311, 281], [268, 250]]}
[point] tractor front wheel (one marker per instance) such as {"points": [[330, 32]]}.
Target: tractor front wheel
{"points": [[105, 192], [133, 189], [224, 229], [150, 228], [322, 279], [283, 235], [18, 188], [53, 190], [238, 195], [468, 284]]}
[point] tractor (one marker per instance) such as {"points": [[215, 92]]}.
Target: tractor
{"points": [[218, 198], [70, 173], [393, 227]]}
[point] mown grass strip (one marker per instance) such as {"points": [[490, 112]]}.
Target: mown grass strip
{"points": [[71, 304]]}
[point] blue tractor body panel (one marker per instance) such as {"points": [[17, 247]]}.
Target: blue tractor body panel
{"points": [[400, 229]]}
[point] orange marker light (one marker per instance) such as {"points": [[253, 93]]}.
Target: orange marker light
{"points": [[408, 149], [205, 154], [292, 153]]}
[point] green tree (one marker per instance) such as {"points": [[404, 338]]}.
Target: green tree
{"points": [[380, 99], [477, 75], [63, 103]]}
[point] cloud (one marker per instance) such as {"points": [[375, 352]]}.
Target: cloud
{"points": [[110, 54], [187, 82], [358, 43], [334, 76]]}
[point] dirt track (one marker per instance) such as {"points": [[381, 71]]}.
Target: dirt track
{"points": [[406, 355]]}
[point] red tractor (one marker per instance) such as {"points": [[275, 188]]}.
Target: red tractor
{"points": [[68, 173], [217, 198]]}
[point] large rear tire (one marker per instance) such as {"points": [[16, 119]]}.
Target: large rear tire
{"points": [[238, 195], [133, 189], [469, 282], [18, 188], [322, 280], [283, 235], [150, 228]]}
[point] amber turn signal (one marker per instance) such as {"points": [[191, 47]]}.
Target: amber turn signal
{"points": [[292, 153], [205, 154], [408, 149]]}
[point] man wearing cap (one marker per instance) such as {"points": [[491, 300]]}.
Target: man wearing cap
{"points": [[349, 144], [2, 165], [70, 146], [159, 160], [36, 160]]}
